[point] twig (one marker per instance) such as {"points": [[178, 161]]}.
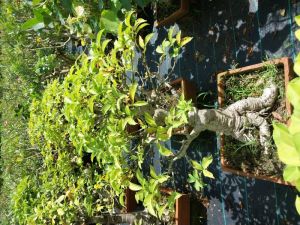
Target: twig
{"points": [[51, 47]]}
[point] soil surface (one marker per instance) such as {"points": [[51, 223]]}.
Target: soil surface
{"points": [[248, 157]]}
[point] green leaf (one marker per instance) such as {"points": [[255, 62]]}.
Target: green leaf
{"points": [[160, 210], [99, 36], [207, 173], [119, 101], [165, 44], [148, 38], [294, 127], [296, 138], [105, 43], [170, 33], [191, 179], [149, 120], [293, 92], [162, 134], [152, 172], [285, 145], [198, 185], [130, 121], [162, 178], [141, 42], [32, 23], [138, 22], [141, 26], [140, 177], [68, 100], [298, 204], [140, 103], [173, 197], [109, 21], [79, 11], [132, 91], [150, 208], [297, 19], [297, 34], [159, 50], [128, 19], [139, 196], [60, 199], [206, 161], [178, 37], [121, 199], [291, 173], [35, 2], [185, 40], [127, 110], [196, 165], [297, 66], [164, 151], [134, 187], [60, 212]]}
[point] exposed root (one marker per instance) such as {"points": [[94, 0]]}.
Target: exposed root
{"points": [[235, 120]]}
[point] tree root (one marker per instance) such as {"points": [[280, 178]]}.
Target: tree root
{"points": [[234, 121]]}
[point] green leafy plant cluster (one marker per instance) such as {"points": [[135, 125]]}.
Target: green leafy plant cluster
{"points": [[22, 78], [80, 18], [287, 138], [81, 128]]}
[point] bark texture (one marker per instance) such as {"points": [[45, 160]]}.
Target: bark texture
{"points": [[241, 120]]}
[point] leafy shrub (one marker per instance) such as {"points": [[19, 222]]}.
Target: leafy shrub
{"points": [[287, 138], [80, 126]]}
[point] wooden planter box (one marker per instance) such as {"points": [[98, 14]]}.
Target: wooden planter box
{"points": [[130, 202], [187, 87], [182, 206], [182, 11], [284, 63]]}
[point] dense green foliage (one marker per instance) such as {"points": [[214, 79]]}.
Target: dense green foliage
{"points": [[80, 157], [80, 128], [287, 138], [79, 17], [28, 59]]}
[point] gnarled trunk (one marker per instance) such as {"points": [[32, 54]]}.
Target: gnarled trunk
{"points": [[234, 120]]}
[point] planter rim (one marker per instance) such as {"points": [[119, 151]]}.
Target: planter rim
{"points": [[288, 74], [181, 12]]}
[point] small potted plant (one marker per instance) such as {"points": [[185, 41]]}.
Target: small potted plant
{"points": [[254, 155]]}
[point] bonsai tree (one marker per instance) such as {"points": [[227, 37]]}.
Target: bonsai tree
{"points": [[90, 155], [81, 128], [287, 137]]}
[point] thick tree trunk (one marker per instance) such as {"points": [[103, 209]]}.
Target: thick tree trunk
{"points": [[235, 120]]}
